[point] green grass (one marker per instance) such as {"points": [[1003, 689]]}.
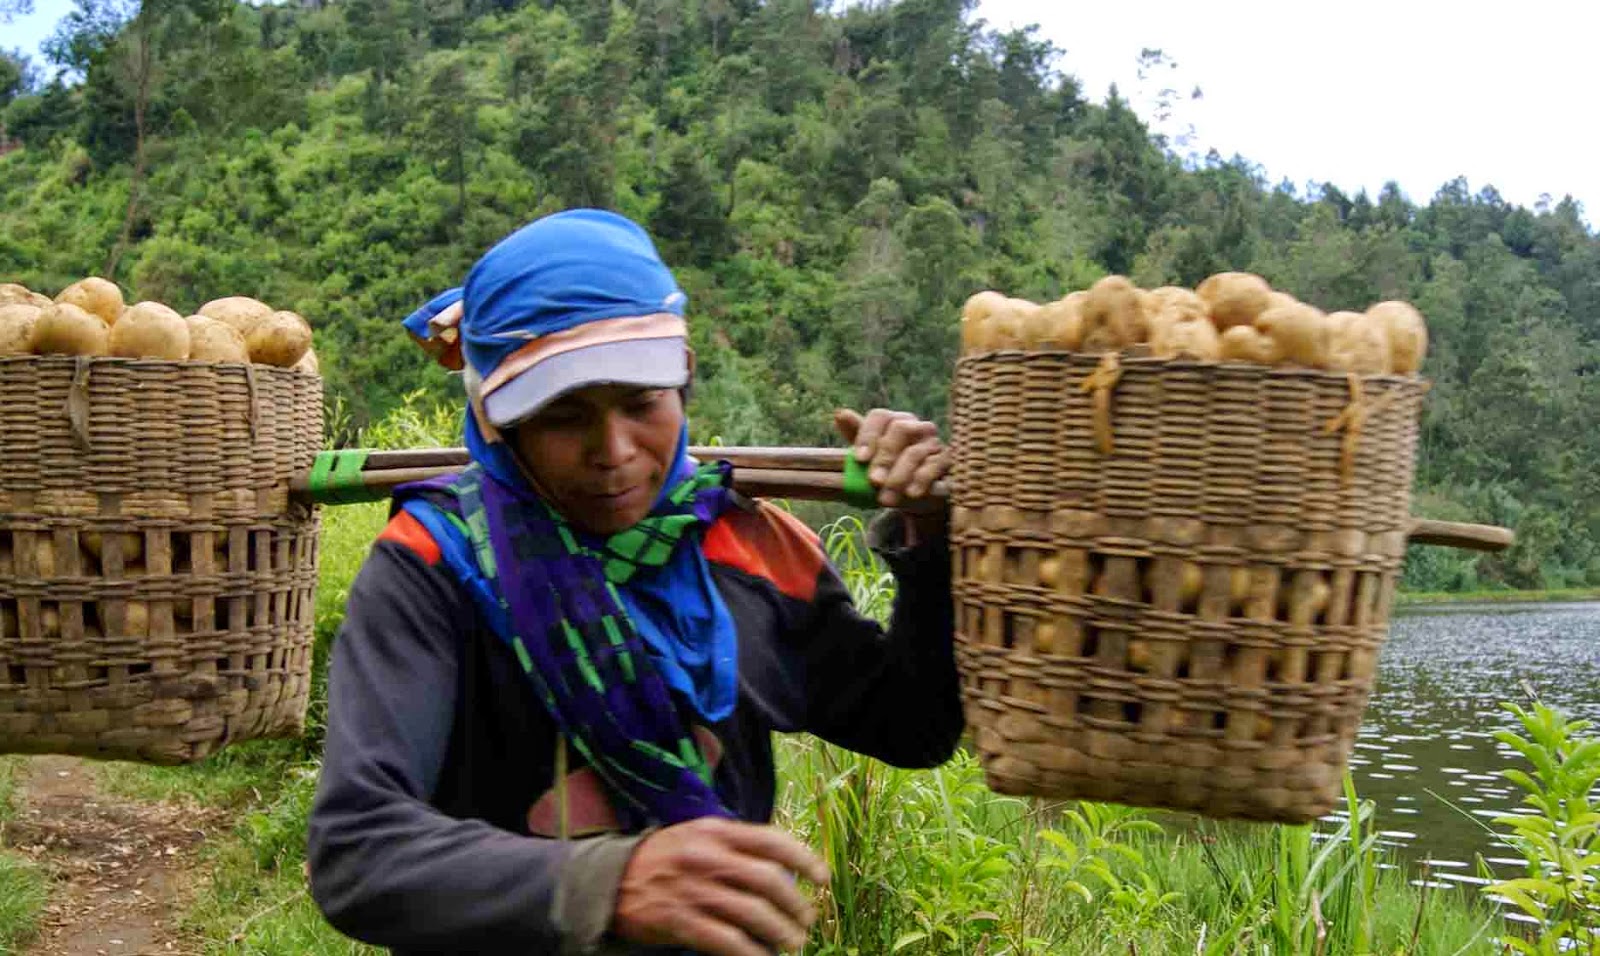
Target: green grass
{"points": [[22, 885], [1500, 596]]}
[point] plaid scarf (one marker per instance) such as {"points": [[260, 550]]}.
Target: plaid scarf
{"points": [[576, 641]]}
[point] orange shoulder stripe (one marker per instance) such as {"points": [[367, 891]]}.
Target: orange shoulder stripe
{"points": [[408, 532], [770, 543]]}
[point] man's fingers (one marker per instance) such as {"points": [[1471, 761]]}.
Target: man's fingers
{"points": [[869, 440], [847, 422], [773, 844], [931, 470], [899, 431], [906, 465], [776, 884], [715, 937], [755, 916]]}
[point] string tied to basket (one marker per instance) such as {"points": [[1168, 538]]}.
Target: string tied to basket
{"points": [[1351, 421], [1101, 383]]}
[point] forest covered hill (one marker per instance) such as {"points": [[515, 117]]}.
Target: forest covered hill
{"points": [[829, 180]]}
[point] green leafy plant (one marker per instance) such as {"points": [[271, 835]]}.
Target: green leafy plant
{"points": [[1560, 837]]}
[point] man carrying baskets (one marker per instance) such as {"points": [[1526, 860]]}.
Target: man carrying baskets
{"points": [[551, 703]]}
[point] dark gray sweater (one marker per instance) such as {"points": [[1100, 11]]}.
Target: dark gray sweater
{"points": [[437, 746]]}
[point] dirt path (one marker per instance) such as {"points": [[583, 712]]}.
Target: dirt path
{"points": [[118, 866]]}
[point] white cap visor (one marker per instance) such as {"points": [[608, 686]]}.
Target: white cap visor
{"points": [[645, 363]]}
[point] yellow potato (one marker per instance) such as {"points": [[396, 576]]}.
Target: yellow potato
{"points": [[1278, 300], [213, 340], [18, 321], [95, 296], [1138, 654], [1050, 572], [975, 316], [1360, 344], [1191, 582], [280, 339], [1242, 343], [49, 621], [1064, 321], [1008, 325], [132, 545], [1186, 339], [1112, 316], [1408, 335], [150, 330], [1234, 298], [1180, 301], [1301, 334], [12, 293], [239, 311], [1045, 638], [66, 329], [136, 620], [308, 363]]}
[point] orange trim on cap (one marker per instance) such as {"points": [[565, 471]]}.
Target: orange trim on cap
{"points": [[661, 325]]}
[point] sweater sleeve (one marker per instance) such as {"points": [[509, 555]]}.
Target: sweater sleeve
{"points": [[388, 868], [889, 693]]}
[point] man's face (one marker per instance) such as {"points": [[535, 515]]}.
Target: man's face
{"points": [[601, 454]]}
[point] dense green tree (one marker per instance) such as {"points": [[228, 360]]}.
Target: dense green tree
{"points": [[829, 180]]}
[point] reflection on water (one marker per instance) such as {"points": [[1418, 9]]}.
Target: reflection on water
{"points": [[1426, 753]]}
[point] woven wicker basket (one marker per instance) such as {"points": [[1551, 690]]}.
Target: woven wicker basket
{"points": [[156, 590], [1173, 579]]}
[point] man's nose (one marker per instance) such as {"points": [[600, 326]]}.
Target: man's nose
{"points": [[612, 441]]}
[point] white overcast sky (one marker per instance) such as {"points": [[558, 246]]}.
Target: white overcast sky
{"points": [[1351, 93], [1359, 92]]}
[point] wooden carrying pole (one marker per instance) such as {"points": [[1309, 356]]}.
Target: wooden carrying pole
{"points": [[810, 474]]}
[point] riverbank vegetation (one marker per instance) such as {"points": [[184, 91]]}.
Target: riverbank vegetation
{"points": [[829, 180]]}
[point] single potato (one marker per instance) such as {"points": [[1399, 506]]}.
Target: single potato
{"points": [[150, 330], [1408, 335], [280, 339], [213, 340], [18, 323], [1360, 344], [96, 296], [1234, 298], [1113, 317], [66, 329], [1301, 334], [1242, 343], [239, 311]]}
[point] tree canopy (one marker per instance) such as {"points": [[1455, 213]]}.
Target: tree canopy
{"points": [[830, 181]]}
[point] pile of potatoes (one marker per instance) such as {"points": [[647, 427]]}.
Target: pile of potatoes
{"points": [[90, 317], [1230, 317]]}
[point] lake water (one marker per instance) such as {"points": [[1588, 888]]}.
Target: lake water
{"points": [[1426, 753]]}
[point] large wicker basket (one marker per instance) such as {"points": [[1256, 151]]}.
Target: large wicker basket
{"points": [[156, 582], [1173, 579]]}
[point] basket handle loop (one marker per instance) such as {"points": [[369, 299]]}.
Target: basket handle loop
{"points": [[1102, 382], [1351, 421], [78, 403]]}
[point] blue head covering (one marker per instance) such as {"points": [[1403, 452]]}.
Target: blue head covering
{"points": [[555, 274]]}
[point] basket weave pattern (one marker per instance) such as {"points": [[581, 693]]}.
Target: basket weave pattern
{"points": [[1190, 618], [158, 601]]}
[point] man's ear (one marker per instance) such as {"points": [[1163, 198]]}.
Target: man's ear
{"points": [[688, 387]]}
